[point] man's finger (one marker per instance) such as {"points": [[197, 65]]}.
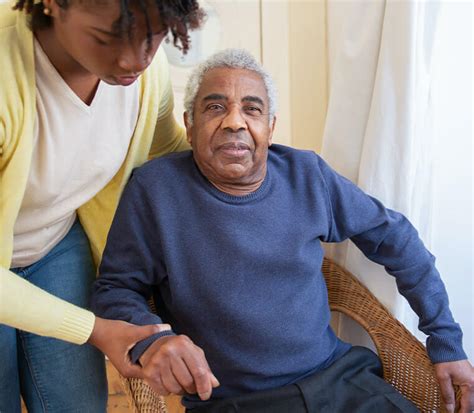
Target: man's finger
{"points": [[156, 384], [214, 381], [170, 383], [183, 376], [200, 371], [467, 399], [202, 381], [447, 392]]}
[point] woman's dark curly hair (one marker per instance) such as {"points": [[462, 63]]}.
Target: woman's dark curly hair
{"points": [[177, 16]]}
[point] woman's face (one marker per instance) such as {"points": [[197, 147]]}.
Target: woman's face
{"points": [[87, 32]]}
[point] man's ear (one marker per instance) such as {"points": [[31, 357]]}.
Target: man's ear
{"points": [[272, 128], [189, 135]]}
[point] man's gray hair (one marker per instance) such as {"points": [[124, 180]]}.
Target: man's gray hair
{"points": [[234, 59]]}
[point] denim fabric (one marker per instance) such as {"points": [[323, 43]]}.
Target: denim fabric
{"points": [[52, 375]]}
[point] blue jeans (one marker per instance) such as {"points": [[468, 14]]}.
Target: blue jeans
{"points": [[52, 375]]}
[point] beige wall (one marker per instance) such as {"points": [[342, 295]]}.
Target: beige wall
{"points": [[308, 72], [288, 36], [275, 51]]}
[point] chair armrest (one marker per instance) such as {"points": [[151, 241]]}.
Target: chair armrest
{"points": [[142, 398], [405, 362]]}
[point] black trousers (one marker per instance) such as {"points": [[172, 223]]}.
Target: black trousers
{"points": [[353, 384]]}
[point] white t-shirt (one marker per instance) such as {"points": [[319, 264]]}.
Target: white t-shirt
{"points": [[77, 151]]}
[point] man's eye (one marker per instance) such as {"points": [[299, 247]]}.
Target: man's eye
{"points": [[253, 110], [214, 107]]}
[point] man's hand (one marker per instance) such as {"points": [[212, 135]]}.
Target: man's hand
{"points": [[174, 364], [460, 373], [116, 338]]}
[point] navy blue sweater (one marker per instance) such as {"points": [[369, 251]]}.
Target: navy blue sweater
{"points": [[241, 275]]}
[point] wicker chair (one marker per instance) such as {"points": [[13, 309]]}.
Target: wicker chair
{"points": [[405, 362]]}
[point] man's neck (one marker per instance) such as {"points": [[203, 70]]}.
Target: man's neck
{"points": [[236, 190], [239, 189]]}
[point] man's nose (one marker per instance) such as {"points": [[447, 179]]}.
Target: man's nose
{"points": [[133, 59], [234, 120]]}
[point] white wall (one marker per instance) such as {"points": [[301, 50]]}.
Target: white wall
{"points": [[453, 205]]}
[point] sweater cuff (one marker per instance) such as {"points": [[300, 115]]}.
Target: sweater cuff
{"points": [[143, 345], [443, 349]]}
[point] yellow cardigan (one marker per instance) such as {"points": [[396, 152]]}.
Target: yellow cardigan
{"points": [[23, 305]]}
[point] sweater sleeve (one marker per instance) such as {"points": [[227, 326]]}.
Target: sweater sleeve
{"points": [[27, 307], [130, 264], [388, 238]]}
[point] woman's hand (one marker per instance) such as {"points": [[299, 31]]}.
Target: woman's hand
{"points": [[116, 338]]}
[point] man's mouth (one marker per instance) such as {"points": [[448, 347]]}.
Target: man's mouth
{"points": [[234, 149]]}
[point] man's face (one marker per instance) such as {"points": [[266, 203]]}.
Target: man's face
{"points": [[231, 132]]}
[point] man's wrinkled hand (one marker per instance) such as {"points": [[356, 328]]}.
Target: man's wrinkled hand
{"points": [[174, 364], [116, 338], [459, 373]]}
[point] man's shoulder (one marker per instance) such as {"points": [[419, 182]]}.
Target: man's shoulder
{"points": [[291, 157], [165, 166]]}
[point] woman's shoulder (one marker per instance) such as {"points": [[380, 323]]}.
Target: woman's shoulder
{"points": [[8, 16], [15, 34], [16, 43]]}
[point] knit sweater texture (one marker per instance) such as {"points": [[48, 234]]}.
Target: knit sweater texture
{"points": [[241, 275]]}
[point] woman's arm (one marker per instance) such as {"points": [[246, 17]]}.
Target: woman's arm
{"points": [[29, 308]]}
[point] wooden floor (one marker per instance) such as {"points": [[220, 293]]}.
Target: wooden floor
{"points": [[118, 402]]}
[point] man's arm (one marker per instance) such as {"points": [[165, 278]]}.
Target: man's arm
{"points": [[131, 268], [388, 238]]}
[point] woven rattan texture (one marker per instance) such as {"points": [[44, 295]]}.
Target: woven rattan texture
{"points": [[142, 398], [405, 362]]}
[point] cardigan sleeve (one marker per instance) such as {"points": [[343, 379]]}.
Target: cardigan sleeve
{"points": [[29, 308], [169, 136]]}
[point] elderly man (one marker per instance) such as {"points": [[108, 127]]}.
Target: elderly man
{"points": [[227, 238]]}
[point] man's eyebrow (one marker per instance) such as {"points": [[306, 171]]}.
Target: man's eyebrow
{"points": [[218, 96], [254, 99], [214, 96]]}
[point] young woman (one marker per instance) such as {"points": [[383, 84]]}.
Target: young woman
{"points": [[85, 97]]}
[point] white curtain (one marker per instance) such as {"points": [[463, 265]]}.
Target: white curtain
{"points": [[378, 129]]}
